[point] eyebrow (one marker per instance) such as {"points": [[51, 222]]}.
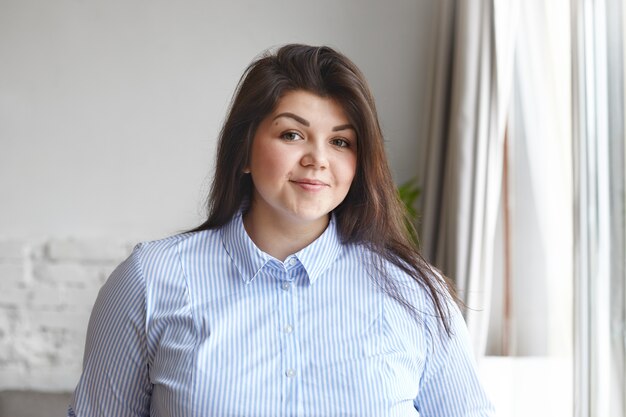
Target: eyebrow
{"points": [[294, 117], [343, 127], [306, 123]]}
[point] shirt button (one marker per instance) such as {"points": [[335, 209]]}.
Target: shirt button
{"points": [[293, 261], [288, 329], [290, 373], [285, 286]]}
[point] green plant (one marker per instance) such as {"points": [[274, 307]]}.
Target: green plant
{"points": [[409, 192]]}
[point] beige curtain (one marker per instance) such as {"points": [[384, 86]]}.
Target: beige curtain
{"points": [[462, 159]]}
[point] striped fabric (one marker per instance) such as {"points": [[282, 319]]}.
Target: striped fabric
{"points": [[205, 324]]}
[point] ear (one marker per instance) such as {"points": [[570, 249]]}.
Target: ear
{"points": [[246, 170]]}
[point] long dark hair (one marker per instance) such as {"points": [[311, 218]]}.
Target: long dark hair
{"points": [[371, 213]]}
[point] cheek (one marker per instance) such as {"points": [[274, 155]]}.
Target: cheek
{"points": [[348, 170], [270, 163]]}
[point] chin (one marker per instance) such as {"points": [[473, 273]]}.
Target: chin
{"points": [[309, 217]]}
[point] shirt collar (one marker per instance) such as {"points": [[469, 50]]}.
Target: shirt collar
{"points": [[250, 260], [317, 257]]}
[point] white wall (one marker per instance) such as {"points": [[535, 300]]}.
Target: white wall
{"points": [[109, 110]]}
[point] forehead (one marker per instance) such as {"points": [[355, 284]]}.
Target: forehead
{"points": [[306, 103]]}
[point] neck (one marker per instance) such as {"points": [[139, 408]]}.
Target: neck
{"points": [[280, 237]]}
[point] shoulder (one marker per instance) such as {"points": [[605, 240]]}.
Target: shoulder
{"points": [[153, 262], [175, 242], [161, 252], [361, 260], [423, 288]]}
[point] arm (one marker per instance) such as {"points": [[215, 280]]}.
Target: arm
{"points": [[115, 380], [449, 386]]}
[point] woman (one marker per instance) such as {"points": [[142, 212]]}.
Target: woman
{"points": [[302, 293]]}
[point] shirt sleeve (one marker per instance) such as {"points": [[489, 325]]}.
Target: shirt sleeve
{"points": [[450, 386], [115, 379]]}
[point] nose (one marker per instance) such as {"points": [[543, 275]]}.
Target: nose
{"points": [[315, 157]]}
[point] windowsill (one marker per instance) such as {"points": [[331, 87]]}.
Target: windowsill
{"points": [[523, 386]]}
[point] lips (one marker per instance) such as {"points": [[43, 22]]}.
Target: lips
{"points": [[309, 181], [310, 184]]}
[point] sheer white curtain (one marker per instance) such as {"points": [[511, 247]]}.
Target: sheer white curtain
{"points": [[598, 71], [540, 189], [462, 160]]}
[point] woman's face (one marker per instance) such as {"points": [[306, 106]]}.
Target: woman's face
{"points": [[302, 160]]}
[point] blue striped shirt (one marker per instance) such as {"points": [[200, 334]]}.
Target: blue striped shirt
{"points": [[206, 324]]}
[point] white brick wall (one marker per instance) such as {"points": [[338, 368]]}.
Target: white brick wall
{"points": [[47, 290]]}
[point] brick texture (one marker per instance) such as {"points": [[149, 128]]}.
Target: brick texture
{"points": [[47, 290]]}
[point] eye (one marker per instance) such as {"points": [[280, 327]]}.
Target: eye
{"points": [[340, 142], [291, 136]]}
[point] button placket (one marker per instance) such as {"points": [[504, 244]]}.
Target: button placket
{"points": [[291, 351], [291, 361]]}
